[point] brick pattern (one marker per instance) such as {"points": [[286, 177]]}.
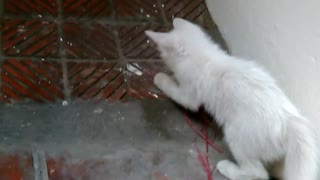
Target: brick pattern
{"points": [[29, 38], [85, 8], [96, 81], [67, 50], [138, 9], [31, 8], [39, 81], [187, 9], [135, 44], [94, 41]]}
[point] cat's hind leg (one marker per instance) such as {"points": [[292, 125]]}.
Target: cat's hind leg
{"points": [[180, 95], [246, 168], [253, 170]]}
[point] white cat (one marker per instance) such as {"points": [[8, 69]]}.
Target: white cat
{"points": [[260, 124]]}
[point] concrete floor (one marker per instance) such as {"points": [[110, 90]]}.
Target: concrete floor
{"points": [[145, 139]]}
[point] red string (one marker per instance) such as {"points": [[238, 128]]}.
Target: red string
{"points": [[204, 160], [207, 140]]}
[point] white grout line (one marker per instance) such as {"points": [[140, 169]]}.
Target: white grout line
{"points": [[121, 58], [39, 165], [65, 80], [161, 5], [1, 52]]}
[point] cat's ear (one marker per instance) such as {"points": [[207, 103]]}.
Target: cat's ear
{"points": [[158, 37], [165, 41], [179, 23]]}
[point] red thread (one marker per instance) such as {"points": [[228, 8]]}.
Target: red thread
{"points": [[204, 160], [207, 140]]}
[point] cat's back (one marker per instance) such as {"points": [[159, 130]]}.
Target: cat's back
{"points": [[244, 86], [245, 74]]}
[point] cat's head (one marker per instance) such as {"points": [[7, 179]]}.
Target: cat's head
{"points": [[182, 41]]}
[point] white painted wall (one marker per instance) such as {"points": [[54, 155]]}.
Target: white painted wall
{"points": [[284, 36]]}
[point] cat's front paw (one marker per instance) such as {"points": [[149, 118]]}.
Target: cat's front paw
{"points": [[227, 169], [160, 80]]}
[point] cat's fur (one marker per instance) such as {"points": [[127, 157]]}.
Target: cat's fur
{"points": [[260, 123]]}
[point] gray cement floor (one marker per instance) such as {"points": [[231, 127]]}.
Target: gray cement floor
{"points": [[137, 139]]}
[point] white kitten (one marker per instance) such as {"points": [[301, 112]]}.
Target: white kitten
{"points": [[260, 124]]}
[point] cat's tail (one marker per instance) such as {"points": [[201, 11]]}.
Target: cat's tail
{"points": [[301, 161]]}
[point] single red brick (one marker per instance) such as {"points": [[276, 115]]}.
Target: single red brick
{"points": [[85, 8], [135, 44], [98, 81], [138, 9], [187, 9], [38, 8], [65, 167], [16, 166], [29, 38], [40, 81], [94, 41]]}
